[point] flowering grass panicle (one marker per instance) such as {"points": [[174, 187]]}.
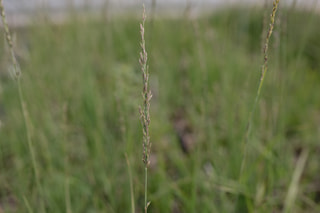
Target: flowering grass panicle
{"points": [[146, 93], [145, 109], [15, 69]]}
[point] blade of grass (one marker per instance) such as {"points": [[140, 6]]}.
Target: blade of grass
{"points": [[294, 184], [27, 204], [131, 185]]}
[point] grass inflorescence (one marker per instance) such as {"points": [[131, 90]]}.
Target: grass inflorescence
{"points": [[145, 109]]}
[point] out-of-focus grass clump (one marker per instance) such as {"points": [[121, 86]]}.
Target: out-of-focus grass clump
{"points": [[82, 87]]}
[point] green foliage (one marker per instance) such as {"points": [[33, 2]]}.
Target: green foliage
{"points": [[82, 88]]}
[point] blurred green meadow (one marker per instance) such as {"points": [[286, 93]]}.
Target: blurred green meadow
{"points": [[82, 85]]}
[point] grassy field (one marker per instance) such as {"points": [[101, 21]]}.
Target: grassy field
{"points": [[82, 87]]}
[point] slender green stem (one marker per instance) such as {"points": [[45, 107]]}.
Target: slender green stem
{"points": [[131, 185], [17, 74], [27, 204], [29, 141], [146, 189], [67, 195], [26, 125]]}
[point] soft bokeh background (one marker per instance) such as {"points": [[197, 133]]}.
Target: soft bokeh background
{"points": [[81, 84], [24, 11]]}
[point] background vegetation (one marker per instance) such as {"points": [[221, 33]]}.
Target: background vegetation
{"points": [[82, 87]]}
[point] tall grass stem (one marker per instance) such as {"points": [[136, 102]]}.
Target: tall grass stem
{"points": [[262, 77], [16, 72], [145, 109]]}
